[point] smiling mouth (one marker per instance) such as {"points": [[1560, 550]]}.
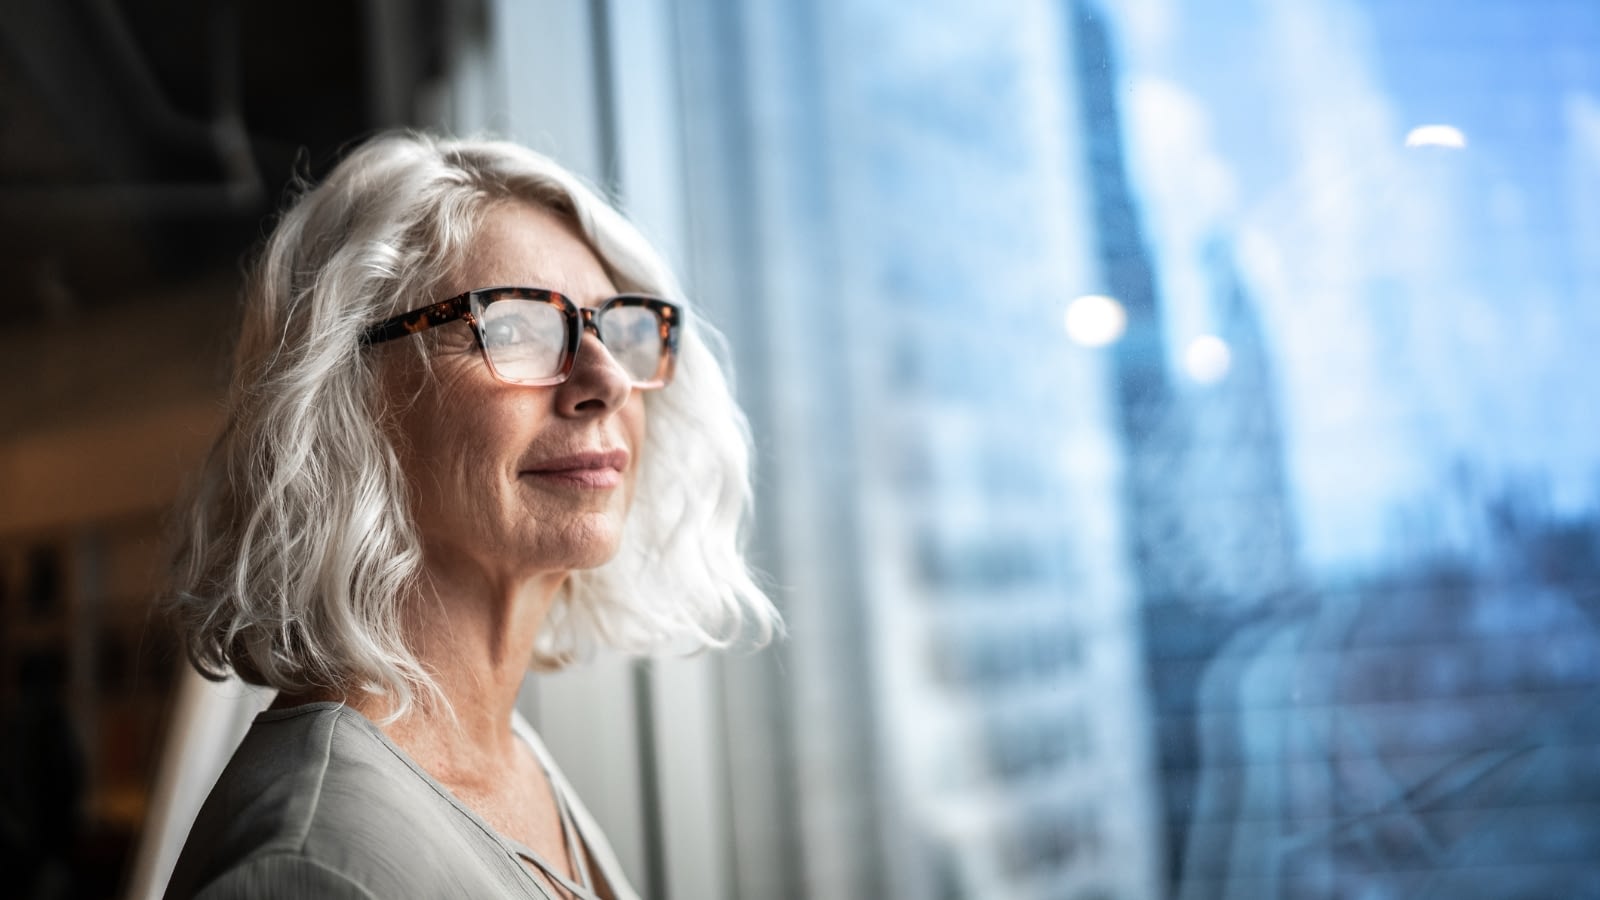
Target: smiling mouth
{"points": [[585, 478], [594, 471]]}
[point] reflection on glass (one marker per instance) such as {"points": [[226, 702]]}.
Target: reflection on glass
{"points": [[1094, 320], [1328, 627], [1207, 359], [1436, 136]]}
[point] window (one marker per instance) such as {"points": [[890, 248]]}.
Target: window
{"points": [[1275, 574]]}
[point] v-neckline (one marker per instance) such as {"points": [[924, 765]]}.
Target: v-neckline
{"points": [[515, 850]]}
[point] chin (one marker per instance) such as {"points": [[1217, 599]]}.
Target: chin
{"points": [[587, 544]]}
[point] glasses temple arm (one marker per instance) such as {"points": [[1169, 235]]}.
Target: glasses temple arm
{"points": [[417, 320]]}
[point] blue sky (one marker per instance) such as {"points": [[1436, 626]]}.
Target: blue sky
{"points": [[1424, 305]]}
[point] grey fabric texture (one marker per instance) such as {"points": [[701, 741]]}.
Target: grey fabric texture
{"points": [[318, 802]]}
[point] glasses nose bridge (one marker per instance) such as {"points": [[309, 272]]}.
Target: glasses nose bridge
{"points": [[587, 321]]}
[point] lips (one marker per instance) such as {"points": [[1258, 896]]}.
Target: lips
{"points": [[588, 469]]}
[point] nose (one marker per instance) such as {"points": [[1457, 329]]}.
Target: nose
{"points": [[598, 383]]}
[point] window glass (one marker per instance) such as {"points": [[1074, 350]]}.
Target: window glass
{"points": [[1180, 460]]}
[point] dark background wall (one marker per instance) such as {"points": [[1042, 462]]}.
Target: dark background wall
{"points": [[144, 146]]}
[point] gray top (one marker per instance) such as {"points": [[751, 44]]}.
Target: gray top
{"points": [[318, 802]]}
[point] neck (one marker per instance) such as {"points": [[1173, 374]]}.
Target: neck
{"points": [[475, 637]]}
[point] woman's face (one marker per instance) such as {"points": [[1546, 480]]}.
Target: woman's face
{"points": [[505, 479]]}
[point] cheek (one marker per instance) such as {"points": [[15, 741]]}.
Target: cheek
{"points": [[635, 426], [453, 454], [474, 453]]}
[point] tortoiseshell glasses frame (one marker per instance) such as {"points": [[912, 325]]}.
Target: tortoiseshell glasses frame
{"points": [[525, 360]]}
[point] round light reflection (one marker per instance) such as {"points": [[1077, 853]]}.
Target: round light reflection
{"points": [[1095, 320], [1207, 359]]}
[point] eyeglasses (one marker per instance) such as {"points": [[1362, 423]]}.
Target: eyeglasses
{"points": [[530, 336]]}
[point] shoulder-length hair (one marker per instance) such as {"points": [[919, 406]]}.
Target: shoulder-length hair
{"points": [[297, 552]]}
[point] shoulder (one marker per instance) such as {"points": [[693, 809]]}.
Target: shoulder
{"points": [[315, 795], [297, 772], [283, 875]]}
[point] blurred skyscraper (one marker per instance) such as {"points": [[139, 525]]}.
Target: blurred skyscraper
{"points": [[1208, 529], [914, 184]]}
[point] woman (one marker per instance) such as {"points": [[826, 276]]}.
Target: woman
{"points": [[466, 433]]}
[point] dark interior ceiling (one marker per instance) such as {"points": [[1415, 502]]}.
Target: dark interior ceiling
{"points": [[145, 142]]}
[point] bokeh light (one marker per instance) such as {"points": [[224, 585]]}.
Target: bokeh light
{"points": [[1447, 136], [1207, 359], [1095, 320]]}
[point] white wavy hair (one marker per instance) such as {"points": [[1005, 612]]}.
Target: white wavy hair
{"points": [[297, 552]]}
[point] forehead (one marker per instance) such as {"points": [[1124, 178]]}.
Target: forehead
{"points": [[523, 245]]}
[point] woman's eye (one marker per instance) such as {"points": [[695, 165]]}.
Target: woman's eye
{"points": [[507, 330], [527, 327], [499, 333]]}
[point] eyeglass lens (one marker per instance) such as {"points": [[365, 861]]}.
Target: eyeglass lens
{"points": [[525, 339]]}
